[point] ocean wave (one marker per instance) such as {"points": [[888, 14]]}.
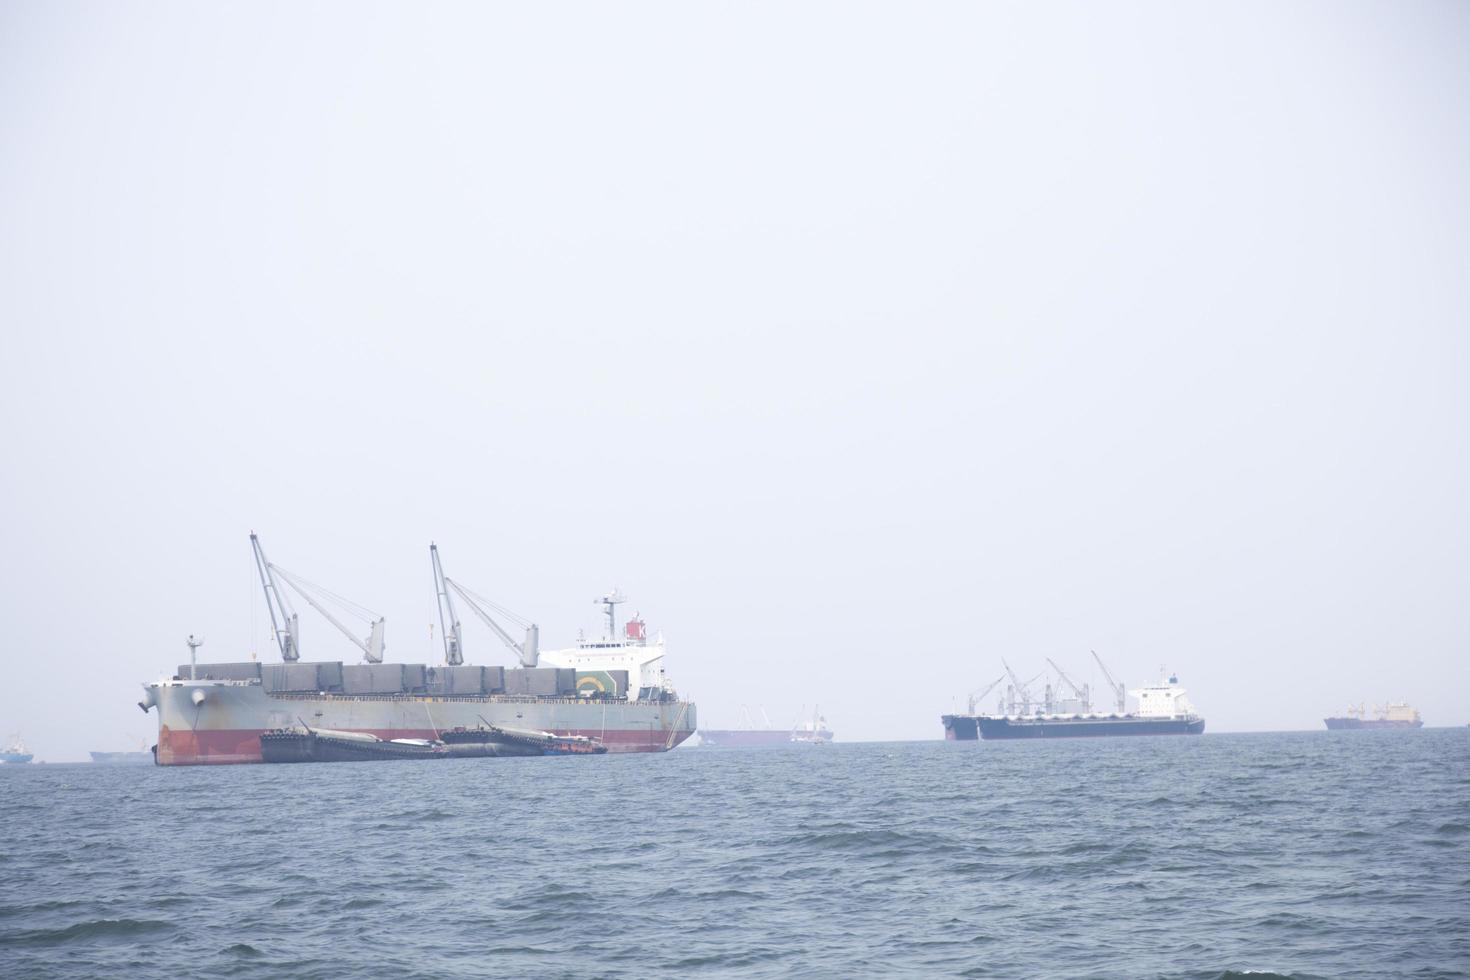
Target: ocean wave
{"points": [[90, 930], [1066, 860], [34, 908], [877, 843], [242, 949]]}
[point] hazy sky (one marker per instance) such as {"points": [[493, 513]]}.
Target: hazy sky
{"points": [[860, 344]]}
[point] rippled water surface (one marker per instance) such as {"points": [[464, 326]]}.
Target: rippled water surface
{"points": [[1310, 854]]}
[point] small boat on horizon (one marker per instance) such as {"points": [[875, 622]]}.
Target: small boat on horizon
{"points": [[16, 752]]}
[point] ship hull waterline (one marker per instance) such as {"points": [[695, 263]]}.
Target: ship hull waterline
{"points": [[759, 738], [223, 727], [1368, 724], [967, 728], [123, 758]]}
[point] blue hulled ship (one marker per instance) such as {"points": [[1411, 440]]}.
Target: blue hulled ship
{"points": [[1065, 711], [16, 752]]}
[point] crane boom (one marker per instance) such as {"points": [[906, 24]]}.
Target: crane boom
{"points": [[1016, 681], [372, 647], [1080, 693], [975, 697], [528, 652], [283, 626], [1120, 694], [1018, 686], [448, 625]]}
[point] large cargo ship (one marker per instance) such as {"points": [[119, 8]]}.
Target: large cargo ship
{"points": [[1395, 714], [744, 738], [1163, 709], [612, 688], [748, 736], [122, 758]]}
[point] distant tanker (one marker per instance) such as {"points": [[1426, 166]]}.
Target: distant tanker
{"points": [[813, 732], [1395, 714]]}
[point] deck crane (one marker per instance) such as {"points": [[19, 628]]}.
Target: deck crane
{"points": [[977, 694], [1120, 693], [1081, 693], [528, 651], [271, 574], [448, 624], [1018, 686], [283, 617]]}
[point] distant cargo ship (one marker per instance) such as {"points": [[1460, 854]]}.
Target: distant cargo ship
{"points": [[1163, 709], [612, 689], [813, 732], [1395, 714], [122, 758], [16, 752]]}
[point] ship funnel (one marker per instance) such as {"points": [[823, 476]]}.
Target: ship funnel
{"points": [[531, 649]]}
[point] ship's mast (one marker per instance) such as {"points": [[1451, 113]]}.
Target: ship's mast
{"points": [[448, 624], [610, 603], [283, 626], [194, 646]]}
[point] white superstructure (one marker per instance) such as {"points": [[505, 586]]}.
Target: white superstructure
{"points": [[814, 732], [1398, 711], [633, 651], [1166, 699]]}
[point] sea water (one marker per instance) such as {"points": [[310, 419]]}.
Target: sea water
{"points": [[1321, 854]]}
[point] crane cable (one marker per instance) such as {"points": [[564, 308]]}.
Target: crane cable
{"points": [[301, 584]]}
